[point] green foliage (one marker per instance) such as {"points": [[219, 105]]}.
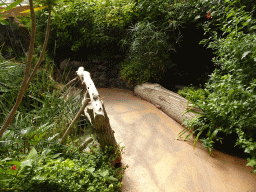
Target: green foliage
{"points": [[138, 77], [230, 103], [150, 44], [148, 54], [11, 77], [193, 95], [83, 23], [57, 171]]}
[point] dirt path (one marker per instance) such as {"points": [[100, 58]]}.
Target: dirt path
{"points": [[158, 162]]}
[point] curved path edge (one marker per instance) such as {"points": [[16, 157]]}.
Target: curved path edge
{"points": [[159, 162]]}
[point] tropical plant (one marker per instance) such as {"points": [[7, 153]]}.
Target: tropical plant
{"points": [[83, 23], [27, 80], [60, 168], [229, 106]]}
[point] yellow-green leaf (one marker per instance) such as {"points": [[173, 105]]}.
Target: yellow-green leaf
{"points": [[230, 14], [36, 9]]}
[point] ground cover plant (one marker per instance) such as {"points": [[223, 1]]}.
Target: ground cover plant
{"points": [[59, 168]]}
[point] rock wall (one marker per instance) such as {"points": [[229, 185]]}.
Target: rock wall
{"points": [[104, 73], [14, 38]]}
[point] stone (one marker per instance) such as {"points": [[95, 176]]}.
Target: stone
{"points": [[121, 84], [65, 63], [113, 74], [102, 68], [95, 60], [77, 64], [104, 61], [113, 83], [96, 74], [95, 81], [103, 76], [101, 84]]}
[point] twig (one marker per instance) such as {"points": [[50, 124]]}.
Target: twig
{"points": [[76, 118], [85, 143]]}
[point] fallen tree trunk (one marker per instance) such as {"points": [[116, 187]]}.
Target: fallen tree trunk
{"points": [[169, 102], [96, 113]]}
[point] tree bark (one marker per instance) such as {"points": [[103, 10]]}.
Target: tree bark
{"points": [[43, 50], [170, 103]]}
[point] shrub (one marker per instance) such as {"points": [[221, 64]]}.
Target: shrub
{"points": [[230, 105], [80, 23], [148, 58], [67, 170]]}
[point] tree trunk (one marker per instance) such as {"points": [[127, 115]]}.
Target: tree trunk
{"points": [[170, 103]]}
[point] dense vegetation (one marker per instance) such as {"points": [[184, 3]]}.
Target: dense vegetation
{"points": [[147, 31]]}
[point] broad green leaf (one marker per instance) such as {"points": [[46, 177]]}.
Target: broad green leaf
{"points": [[13, 5], [6, 180], [112, 178], [91, 169], [32, 154], [252, 162], [215, 132], [17, 163], [36, 139], [39, 178], [26, 163], [3, 22], [245, 53], [6, 159], [230, 14], [231, 91], [197, 17], [3, 4], [247, 22], [104, 173], [46, 151], [56, 155]]}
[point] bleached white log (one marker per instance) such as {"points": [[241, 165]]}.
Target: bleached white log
{"points": [[96, 102], [169, 102], [97, 113]]}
